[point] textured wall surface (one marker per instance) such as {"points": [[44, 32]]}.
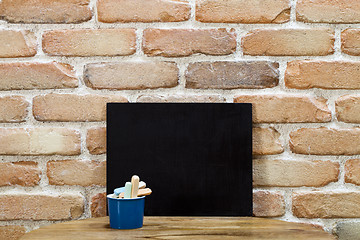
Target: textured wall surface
{"points": [[297, 61]]}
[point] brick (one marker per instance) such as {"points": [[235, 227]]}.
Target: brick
{"points": [[322, 74], [17, 44], [347, 230], [11, 232], [45, 11], [131, 75], [268, 204], [110, 11], [21, 76], [86, 42], [325, 141], [98, 205], [186, 42], [40, 207], [243, 11], [352, 171], [286, 108], [76, 172], [96, 140], [232, 75], [181, 98], [13, 109], [19, 173], [348, 108], [266, 141], [350, 41], [71, 107], [289, 42], [323, 11], [288, 173], [39, 141], [327, 204]]}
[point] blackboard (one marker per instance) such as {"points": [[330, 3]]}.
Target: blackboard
{"points": [[196, 157]]}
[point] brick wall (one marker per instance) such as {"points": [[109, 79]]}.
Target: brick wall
{"points": [[297, 61]]}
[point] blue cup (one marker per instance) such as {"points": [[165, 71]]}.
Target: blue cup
{"points": [[126, 213]]}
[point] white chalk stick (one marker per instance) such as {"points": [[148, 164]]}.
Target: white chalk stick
{"points": [[134, 186], [142, 185]]}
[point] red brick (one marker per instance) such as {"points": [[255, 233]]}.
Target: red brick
{"points": [[76, 172], [39, 141], [13, 109], [350, 41], [325, 141], [322, 74], [268, 204], [352, 171], [289, 42], [86, 42], [40, 207], [45, 11], [98, 205], [19, 173], [186, 42], [266, 141], [17, 43], [110, 11], [96, 140], [232, 75], [286, 108], [348, 108], [243, 11], [131, 75], [21, 76], [287, 173], [11, 232], [71, 107]]}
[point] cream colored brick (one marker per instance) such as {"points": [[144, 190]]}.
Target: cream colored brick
{"points": [[13, 109], [350, 41], [268, 204], [19, 173], [17, 44], [266, 141], [348, 108], [352, 171], [96, 140]]}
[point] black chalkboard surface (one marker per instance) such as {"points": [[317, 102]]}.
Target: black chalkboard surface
{"points": [[196, 157]]}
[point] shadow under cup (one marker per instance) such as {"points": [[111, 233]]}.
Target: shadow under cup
{"points": [[126, 213]]}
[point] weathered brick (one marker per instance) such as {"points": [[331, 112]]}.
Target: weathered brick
{"points": [[110, 11], [322, 74], [266, 141], [45, 11], [98, 205], [20, 76], [350, 41], [39, 141], [131, 75], [96, 140], [71, 107], [268, 204], [348, 108], [17, 44], [13, 109], [185, 42], [352, 171], [347, 230], [325, 141], [286, 108], [181, 98], [40, 207], [86, 42], [243, 11], [323, 11], [289, 42], [19, 173], [327, 204], [232, 75], [11, 232], [76, 172], [287, 173]]}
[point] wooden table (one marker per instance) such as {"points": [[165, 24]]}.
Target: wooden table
{"points": [[187, 228]]}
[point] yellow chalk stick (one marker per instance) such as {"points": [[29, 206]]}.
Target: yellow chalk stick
{"points": [[144, 192], [134, 186]]}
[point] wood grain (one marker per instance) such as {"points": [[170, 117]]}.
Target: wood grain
{"points": [[182, 228]]}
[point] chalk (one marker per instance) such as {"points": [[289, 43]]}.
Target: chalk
{"points": [[127, 192], [134, 186], [117, 191], [144, 192], [142, 184]]}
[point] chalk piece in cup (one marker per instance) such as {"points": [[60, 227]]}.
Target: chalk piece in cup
{"points": [[134, 186], [142, 184], [144, 192], [117, 191], [127, 192]]}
